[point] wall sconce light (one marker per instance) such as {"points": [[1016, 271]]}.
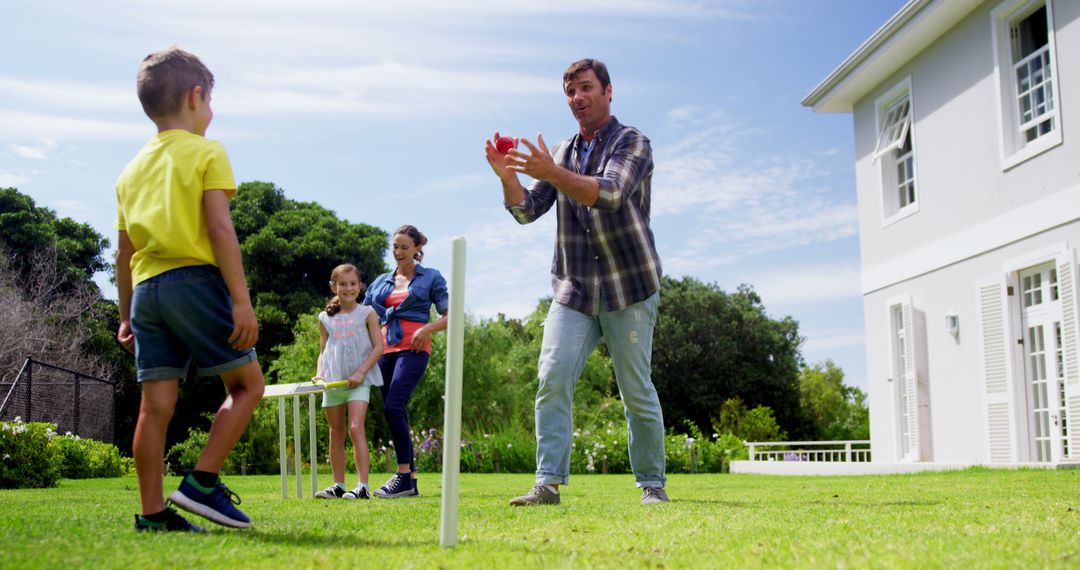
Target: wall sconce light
{"points": [[952, 324]]}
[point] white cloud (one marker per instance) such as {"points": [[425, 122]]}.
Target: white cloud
{"points": [[69, 95], [816, 343], [9, 180], [808, 285], [31, 152], [20, 124], [735, 204], [508, 265]]}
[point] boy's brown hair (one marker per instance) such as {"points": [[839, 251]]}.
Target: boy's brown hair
{"points": [[166, 77]]}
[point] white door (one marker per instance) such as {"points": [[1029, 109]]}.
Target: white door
{"points": [[1044, 364]]}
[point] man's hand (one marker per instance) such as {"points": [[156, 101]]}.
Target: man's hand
{"points": [[498, 161], [126, 336], [245, 331], [538, 163]]}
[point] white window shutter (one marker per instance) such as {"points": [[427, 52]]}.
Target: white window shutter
{"points": [[1066, 270], [910, 380], [923, 451], [995, 372]]}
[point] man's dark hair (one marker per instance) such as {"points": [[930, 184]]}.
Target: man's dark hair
{"points": [[586, 64], [166, 77]]}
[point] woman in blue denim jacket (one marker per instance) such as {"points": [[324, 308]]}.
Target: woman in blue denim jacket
{"points": [[403, 300]]}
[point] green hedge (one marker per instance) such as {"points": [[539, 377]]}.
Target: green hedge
{"points": [[34, 456]]}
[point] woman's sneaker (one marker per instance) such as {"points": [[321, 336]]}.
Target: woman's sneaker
{"points": [[172, 522], [215, 503], [360, 492], [398, 486], [332, 492]]}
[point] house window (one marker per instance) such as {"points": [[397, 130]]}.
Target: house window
{"points": [[1026, 69], [895, 153]]}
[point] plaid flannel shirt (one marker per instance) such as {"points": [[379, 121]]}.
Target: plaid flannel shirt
{"points": [[605, 255]]}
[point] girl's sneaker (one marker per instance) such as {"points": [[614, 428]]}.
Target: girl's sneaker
{"points": [[173, 522], [215, 503], [400, 485], [360, 492], [331, 492]]}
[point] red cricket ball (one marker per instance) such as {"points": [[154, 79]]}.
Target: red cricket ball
{"points": [[504, 144]]}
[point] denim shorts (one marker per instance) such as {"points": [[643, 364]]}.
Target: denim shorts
{"points": [[182, 315]]}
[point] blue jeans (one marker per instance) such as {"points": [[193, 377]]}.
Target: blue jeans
{"points": [[401, 372], [569, 338]]}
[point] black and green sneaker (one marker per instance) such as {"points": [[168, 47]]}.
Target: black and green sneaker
{"points": [[170, 520]]}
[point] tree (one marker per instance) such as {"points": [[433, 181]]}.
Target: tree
{"points": [[26, 228], [289, 249], [835, 411], [710, 346]]}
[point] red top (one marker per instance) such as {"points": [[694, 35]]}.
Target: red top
{"points": [[407, 327]]}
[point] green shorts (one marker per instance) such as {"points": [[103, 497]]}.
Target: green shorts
{"points": [[339, 396]]}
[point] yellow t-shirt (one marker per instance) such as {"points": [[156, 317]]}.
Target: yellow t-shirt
{"points": [[159, 201]]}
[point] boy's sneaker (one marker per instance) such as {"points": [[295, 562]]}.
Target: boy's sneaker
{"points": [[173, 522], [360, 492], [215, 503], [654, 495], [539, 495], [332, 492], [398, 486]]}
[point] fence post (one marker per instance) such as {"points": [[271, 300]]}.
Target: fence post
{"points": [[847, 449], [29, 387], [78, 397], [751, 454]]}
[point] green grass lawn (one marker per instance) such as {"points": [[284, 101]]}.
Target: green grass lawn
{"points": [[974, 518]]}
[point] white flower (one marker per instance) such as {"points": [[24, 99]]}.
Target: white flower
{"points": [[7, 456], [487, 435], [609, 432], [18, 419], [715, 435], [68, 433], [509, 445], [689, 441]]}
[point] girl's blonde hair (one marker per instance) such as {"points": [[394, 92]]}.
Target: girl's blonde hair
{"points": [[333, 307]]}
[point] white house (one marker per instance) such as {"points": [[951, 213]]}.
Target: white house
{"points": [[967, 162]]}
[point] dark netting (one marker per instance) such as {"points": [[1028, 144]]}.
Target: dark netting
{"points": [[76, 403]]}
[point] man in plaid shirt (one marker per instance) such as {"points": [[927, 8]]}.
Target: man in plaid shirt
{"points": [[605, 276]]}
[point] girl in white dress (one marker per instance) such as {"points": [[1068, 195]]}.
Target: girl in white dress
{"points": [[350, 344]]}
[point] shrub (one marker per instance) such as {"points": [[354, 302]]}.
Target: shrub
{"points": [[29, 458], [87, 458]]}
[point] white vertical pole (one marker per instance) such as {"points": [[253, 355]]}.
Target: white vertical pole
{"points": [[312, 451], [281, 448], [455, 341], [297, 447]]}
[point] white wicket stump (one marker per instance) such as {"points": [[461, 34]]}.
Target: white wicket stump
{"points": [[281, 392], [455, 341]]}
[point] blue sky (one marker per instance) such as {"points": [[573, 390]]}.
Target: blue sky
{"points": [[379, 112]]}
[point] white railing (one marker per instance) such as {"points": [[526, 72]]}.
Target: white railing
{"points": [[852, 451]]}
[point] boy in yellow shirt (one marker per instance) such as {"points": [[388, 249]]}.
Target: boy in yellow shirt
{"points": [[183, 295]]}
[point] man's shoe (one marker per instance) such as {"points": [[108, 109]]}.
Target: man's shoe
{"points": [[654, 495], [539, 495], [332, 492], [360, 492], [398, 486], [214, 503], [173, 522]]}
